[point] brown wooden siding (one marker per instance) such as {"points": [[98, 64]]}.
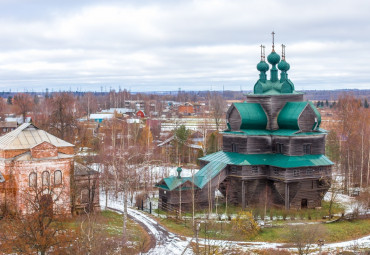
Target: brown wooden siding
{"points": [[240, 142], [306, 120], [259, 144], [272, 106], [234, 119]]}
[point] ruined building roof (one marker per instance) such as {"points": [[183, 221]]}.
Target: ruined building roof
{"points": [[26, 136], [80, 169]]}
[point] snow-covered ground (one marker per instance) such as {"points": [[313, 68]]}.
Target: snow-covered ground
{"points": [[169, 243], [350, 204]]}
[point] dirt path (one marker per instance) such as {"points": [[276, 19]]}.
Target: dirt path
{"points": [[152, 239], [164, 242], [168, 243]]}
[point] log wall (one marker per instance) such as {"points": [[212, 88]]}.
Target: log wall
{"points": [[234, 119], [306, 120], [272, 106]]}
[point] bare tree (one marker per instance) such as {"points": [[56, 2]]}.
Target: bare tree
{"points": [[62, 119], [217, 105], [38, 231], [23, 103], [305, 236]]}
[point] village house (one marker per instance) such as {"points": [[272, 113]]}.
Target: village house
{"points": [[37, 165], [186, 109], [7, 126]]}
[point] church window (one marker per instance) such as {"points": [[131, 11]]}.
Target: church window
{"points": [[276, 171], [254, 169], [234, 170], [45, 178], [57, 177], [234, 147], [279, 148], [307, 148], [33, 180], [296, 172], [309, 171]]}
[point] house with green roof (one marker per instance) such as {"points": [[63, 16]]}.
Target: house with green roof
{"points": [[273, 151]]}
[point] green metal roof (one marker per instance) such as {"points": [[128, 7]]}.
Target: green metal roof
{"points": [[288, 116], [208, 172], [279, 132], [269, 87], [173, 182], [252, 114], [278, 160], [201, 178]]}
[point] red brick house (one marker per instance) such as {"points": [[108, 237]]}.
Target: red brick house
{"points": [[32, 160]]}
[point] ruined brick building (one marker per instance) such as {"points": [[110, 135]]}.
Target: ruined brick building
{"points": [[273, 151], [33, 162]]}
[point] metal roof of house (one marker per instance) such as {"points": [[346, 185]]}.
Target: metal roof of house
{"points": [[173, 182], [27, 136], [95, 116], [80, 169], [201, 178], [10, 124], [278, 160], [252, 114]]}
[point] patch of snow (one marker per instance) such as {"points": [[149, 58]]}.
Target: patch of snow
{"points": [[170, 243]]}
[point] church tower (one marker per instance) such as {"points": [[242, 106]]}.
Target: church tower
{"points": [[273, 150]]}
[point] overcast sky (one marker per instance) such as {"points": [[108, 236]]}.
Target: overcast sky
{"points": [[192, 45]]}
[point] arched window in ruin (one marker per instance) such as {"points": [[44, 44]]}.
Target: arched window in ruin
{"points": [[84, 196], [57, 177], [33, 180], [45, 178]]}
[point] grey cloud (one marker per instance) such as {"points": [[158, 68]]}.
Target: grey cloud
{"points": [[192, 44]]}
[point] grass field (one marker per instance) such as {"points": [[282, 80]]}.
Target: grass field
{"points": [[108, 226], [334, 232]]}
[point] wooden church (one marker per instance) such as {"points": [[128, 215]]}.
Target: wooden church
{"points": [[273, 151]]}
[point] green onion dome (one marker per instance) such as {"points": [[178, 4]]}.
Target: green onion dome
{"points": [[262, 66], [283, 66], [273, 58]]}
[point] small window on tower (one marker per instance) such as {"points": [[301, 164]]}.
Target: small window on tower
{"points": [[233, 170], [254, 169], [296, 172], [279, 148], [234, 147], [306, 148]]}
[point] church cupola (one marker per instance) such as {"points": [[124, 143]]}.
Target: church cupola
{"points": [[283, 65]]}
